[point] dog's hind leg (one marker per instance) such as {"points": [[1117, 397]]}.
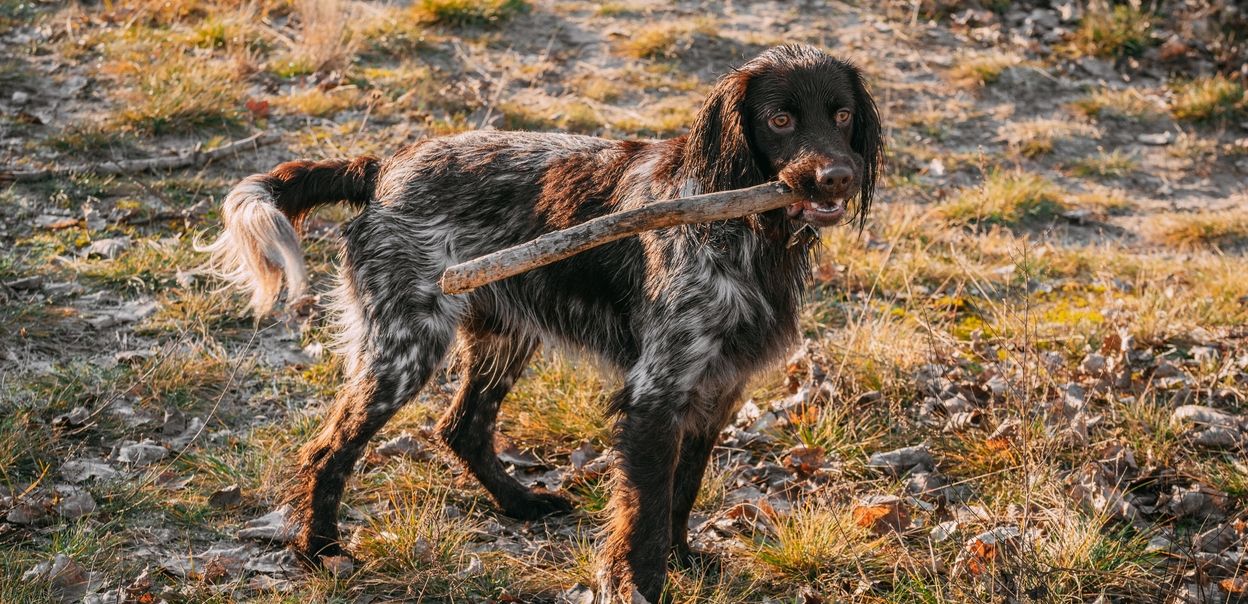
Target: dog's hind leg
{"points": [[406, 348], [490, 363]]}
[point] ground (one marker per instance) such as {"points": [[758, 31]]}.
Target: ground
{"points": [[1023, 381]]}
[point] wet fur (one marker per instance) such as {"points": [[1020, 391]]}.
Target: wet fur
{"points": [[688, 314]]}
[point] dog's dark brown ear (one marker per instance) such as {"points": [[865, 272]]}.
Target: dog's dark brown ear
{"points": [[867, 141], [718, 155]]}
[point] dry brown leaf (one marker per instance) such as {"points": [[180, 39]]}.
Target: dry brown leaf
{"points": [[805, 461], [882, 513]]}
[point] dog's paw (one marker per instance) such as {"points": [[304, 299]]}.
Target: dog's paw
{"points": [[538, 504], [685, 557], [315, 554]]}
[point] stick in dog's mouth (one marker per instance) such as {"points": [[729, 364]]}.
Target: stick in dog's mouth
{"points": [[557, 245]]}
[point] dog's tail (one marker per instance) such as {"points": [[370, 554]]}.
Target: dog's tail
{"points": [[263, 214]]}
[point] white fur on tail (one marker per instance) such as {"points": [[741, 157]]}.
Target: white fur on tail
{"points": [[257, 246]]}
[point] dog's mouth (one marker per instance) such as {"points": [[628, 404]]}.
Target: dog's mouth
{"points": [[818, 213]]}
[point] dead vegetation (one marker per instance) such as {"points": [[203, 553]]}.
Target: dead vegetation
{"points": [[1023, 380]]}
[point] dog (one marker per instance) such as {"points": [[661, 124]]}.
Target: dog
{"points": [[687, 313]]}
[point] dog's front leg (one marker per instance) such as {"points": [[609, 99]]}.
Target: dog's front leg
{"points": [[647, 439]]}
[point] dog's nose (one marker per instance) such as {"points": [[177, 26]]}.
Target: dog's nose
{"points": [[834, 177]]}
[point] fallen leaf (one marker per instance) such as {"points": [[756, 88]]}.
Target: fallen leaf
{"points": [[520, 459], [276, 526], [474, 569], [983, 551], [107, 248], [1205, 416], [76, 418], [881, 513], [804, 461], [258, 108], [577, 594], [27, 511], [67, 580], [188, 435], [1235, 585], [227, 497], [903, 460], [82, 470], [403, 445], [1003, 437], [338, 566], [583, 455], [142, 453]]}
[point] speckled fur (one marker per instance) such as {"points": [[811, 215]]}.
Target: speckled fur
{"points": [[688, 314]]}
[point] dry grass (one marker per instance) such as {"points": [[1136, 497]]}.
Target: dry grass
{"points": [[981, 69], [1222, 230], [1033, 138], [567, 115], [1007, 198], [1208, 99], [322, 103], [814, 541], [560, 397], [900, 316], [1119, 102], [468, 13], [184, 93], [665, 41], [324, 41], [1112, 30], [1106, 165]]}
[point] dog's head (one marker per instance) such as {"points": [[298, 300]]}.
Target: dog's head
{"points": [[796, 114]]}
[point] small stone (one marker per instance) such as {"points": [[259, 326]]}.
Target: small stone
{"points": [[73, 502], [1159, 139], [1093, 364], [26, 512], [20, 97]]}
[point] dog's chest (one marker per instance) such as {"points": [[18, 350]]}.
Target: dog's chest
{"points": [[740, 306]]}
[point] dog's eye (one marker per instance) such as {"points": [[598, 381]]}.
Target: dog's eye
{"points": [[842, 117], [781, 122]]}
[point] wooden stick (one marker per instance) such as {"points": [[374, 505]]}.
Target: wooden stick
{"points": [[184, 159], [557, 245]]}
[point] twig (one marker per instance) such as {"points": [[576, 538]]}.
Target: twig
{"points": [[557, 245], [184, 159]]}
